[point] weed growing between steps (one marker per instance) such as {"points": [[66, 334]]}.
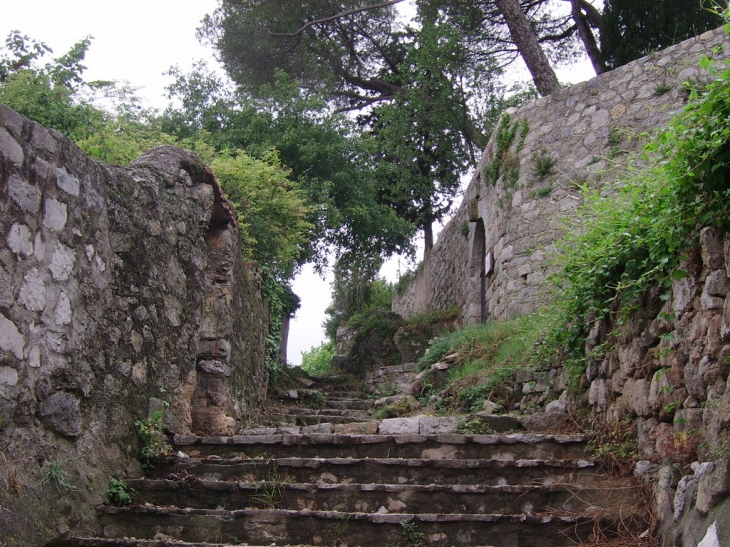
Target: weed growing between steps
{"points": [[119, 493], [154, 442]]}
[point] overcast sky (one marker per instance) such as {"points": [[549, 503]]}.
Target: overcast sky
{"points": [[138, 41]]}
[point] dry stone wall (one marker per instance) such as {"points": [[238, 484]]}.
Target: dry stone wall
{"points": [[581, 133], [122, 291]]}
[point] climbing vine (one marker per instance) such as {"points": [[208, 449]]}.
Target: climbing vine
{"points": [[502, 164]]}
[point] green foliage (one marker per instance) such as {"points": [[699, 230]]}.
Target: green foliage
{"points": [[473, 425], [119, 493], [488, 356], [270, 207], [404, 281], [57, 476], [411, 536], [319, 358], [637, 238], [327, 155], [420, 153], [616, 444], [503, 163], [432, 317], [543, 165], [56, 96], [491, 345], [631, 29], [151, 433], [357, 293]]}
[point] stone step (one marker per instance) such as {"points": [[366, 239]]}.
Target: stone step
{"points": [[372, 498], [345, 413], [312, 419], [450, 446], [344, 395], [350, 404], [133, 542], [280, 526], [387, 470]]}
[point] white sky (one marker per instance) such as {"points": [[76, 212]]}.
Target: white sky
{"points": [[138, 41]]}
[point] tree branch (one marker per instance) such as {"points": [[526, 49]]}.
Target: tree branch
{"points": [[335, 17]]}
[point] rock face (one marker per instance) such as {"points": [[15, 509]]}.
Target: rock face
{"points": [[515, 214], [119, 287]]}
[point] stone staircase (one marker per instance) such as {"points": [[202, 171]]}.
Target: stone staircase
{"points": [[349, 480]]}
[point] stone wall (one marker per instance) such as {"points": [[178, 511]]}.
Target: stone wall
{"points": [[667, 371], [122, 291], [584, 131]]}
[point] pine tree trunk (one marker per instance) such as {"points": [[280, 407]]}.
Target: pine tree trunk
{"points": [[427, 237], [586, 36], [537, 63]]}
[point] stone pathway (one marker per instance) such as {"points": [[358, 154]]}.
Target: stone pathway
{"points": [[329, 476]]}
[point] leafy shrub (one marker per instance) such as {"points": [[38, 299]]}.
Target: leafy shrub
{"points": [[152, 437], [318, 359], [119, 493]]}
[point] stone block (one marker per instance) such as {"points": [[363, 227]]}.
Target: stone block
{"points": [[400, 426], [60, 413], [636, 395], [438, 426], [325, 428], [713, 248], [713, 485], [716, 283], [357, 428]]}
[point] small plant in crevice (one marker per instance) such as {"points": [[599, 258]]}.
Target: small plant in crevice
{"points": [[524, 129], [57, 476], [543, 165], [317, 400], [411, 536], [613, 143], [662, 88], [270, 491], [151, 433], [473, 425], [119, 493], [542, 192], [339, 528], [464, 229]]}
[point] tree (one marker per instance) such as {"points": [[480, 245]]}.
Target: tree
{"points": [[524, 38], [359, 59], [420, 150], [326, 154], [631, 29]]}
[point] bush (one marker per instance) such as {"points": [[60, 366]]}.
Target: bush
{"points": [[319, 358], [636, 239]]}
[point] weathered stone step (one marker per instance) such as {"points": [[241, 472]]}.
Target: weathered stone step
{"points": [[371, 498], [344, 394], [450, 446], [387, 470], [305, 419], [350, 404], [280, 526], [345, 413], [132, 542]]}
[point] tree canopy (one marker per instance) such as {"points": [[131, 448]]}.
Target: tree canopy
{"points": [[631, 29]]}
